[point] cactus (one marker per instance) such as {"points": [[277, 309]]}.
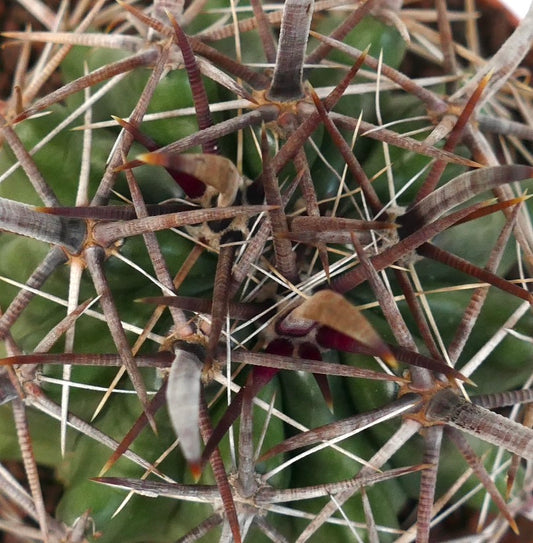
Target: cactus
{"points": [[260, 280]]}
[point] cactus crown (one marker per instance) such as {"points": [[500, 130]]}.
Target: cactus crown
{"points": [[285, 239]]}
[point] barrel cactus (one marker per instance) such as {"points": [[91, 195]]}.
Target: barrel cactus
{"points": [[265, 274]]}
